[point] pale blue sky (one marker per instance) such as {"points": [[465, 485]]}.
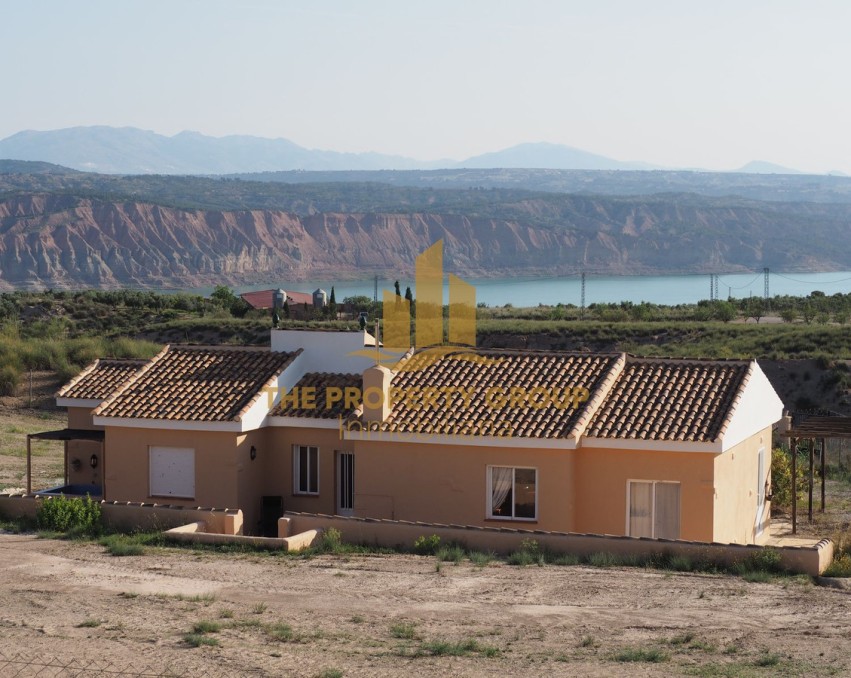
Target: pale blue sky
{"points": [[676, 83]]}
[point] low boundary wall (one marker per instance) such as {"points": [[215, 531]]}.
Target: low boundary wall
{"points": [[810, 560], [135, 516]]}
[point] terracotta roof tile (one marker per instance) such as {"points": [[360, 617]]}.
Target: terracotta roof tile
{"points": [[197, 383], [544, 384], [320, 382], [101, 379], [664, 399]]}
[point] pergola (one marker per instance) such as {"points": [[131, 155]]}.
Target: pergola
{"points": [[64, 434], [814, 430]]}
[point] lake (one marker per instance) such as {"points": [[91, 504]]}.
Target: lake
{"points": [[669, 289]]}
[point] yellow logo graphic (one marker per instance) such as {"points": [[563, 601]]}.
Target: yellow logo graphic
{"points": [[428, 325]]}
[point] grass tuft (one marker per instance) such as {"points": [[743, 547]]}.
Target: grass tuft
{"points": [[639, 654], [403, 630], [198, 639]]}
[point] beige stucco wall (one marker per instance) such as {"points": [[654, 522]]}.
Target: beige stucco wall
{"points": [[601, 488], [448, 483], [216, 465], [736, 488]]}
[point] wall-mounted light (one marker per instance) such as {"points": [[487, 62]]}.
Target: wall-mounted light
{"points": [[252, 453], [93, 461]]}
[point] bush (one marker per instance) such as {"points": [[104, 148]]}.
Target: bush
{"points": [[451, 554], [427, 546], [74, 514], [9, 378], [841, 567], [330, 541], [122, 545], [781, 477]]}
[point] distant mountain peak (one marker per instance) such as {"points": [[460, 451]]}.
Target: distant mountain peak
{"points": [[763, 167], [546, 155]]}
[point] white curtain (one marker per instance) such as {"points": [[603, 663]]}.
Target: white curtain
{"points": [[502, 478]]}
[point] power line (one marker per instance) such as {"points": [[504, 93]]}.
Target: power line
{"points": [[812, 282]]}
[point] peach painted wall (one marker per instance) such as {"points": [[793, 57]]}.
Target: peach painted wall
{"points": [[216, 465], [81, 417], [251, 476], [736, 488], [279, 477], [83, 450], [601, 488], [448, 483]]}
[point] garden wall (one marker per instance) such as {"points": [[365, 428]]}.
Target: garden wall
{"points": [[812, 560]]}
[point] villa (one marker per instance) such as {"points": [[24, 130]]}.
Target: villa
{"points": [[572, 442]]}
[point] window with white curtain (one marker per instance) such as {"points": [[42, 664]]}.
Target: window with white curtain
{"points": [[653, 509], [305, 469], [512, 493]]}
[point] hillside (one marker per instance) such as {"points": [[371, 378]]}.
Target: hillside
{"points": [[67, 241]]}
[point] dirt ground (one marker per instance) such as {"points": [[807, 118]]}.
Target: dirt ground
{"points": [[367, 615]]}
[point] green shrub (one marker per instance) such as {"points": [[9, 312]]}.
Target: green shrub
{"points": [[521, 558], [427, 546], [481, 558], [9, 379], [638, 654], [122, 545], [841, 567], [781, 477], [197, 640], [281, 632], [70, 514], [330, 541], [603, 559], [451, 554], [403, 630]]}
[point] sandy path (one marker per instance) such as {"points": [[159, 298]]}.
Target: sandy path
{"points": [[342, 611]]}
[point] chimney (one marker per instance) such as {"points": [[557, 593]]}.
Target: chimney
{"points": [[376, 394]]}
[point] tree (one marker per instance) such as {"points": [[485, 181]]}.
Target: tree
{"points": [[398, 289], [789, 315], [286, 309], [755, 308], [276, 319], [725, 311], [223, 296], [332, 304], [410, 297]]}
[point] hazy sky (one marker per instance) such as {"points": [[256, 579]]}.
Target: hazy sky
{"points": [[710, 84]]}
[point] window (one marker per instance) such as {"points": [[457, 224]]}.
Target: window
{"points": [[305, 469], [172, 472], [512, 493], [653, 509]]}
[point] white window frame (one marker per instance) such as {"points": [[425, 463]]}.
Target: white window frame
{"points": [[489, 492], [652, 502], [152, 481], [297, 470]]}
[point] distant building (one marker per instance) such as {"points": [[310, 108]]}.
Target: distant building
{"points": [[300, 303]]}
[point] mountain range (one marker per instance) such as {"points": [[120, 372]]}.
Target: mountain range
{"points": [[128, 150]]}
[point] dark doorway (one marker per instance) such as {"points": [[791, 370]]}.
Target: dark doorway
{"points": [[271, 509]]}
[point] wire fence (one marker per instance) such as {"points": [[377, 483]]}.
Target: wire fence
{"points": [[21, 666]]}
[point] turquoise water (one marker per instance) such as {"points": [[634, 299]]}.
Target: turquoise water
{"points": [[673, 289]]}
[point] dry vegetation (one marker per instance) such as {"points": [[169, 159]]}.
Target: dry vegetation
{"points": [[200, 613]]}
